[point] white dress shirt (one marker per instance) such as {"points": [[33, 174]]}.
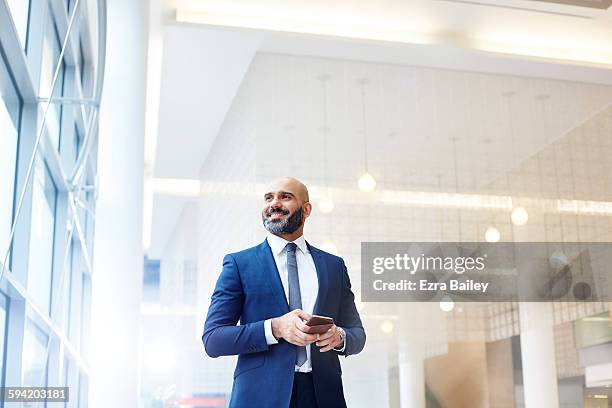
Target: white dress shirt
{"points": [[309, 283]]}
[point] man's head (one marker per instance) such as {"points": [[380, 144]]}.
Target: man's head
{"points": [[285, 207]]}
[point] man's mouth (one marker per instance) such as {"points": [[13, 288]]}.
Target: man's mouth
{"points": [[276, 215]]}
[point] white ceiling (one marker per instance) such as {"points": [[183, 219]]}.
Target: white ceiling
{"points": [[504, 24], [203, 66], [201, 72]]}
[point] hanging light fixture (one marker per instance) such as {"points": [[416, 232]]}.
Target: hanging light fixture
{"points": [[366, 182], [519, 216], [492, 234], [447, 304], [326, 204], [386, 327]]}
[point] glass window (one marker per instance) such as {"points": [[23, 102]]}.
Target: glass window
{"points": [[150, 284], [9, 118], [20, 10], [83, 390], [50, 57], [76, 301], [82, 62], [70, 148], [76, 143], [40, 267], [65, 296], [3, 329], [66, 379], [34, 356], [85, 315]]}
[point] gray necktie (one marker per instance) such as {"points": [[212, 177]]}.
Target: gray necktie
{"points": [[295, 296]]}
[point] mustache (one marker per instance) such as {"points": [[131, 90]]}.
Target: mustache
{"points": [[283, 211]]}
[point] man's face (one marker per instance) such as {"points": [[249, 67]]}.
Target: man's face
{"points": [[283, 209]]}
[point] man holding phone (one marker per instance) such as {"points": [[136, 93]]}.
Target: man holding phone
{"points": [[286, 356]]}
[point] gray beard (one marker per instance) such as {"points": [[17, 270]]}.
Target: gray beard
{"points": [[286, 226]]}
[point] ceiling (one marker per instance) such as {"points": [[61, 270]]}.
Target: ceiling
{"points": [[201, 66]]}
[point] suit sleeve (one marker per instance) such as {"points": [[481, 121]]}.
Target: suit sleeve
{"points": [[349, 318], [222, 336]]}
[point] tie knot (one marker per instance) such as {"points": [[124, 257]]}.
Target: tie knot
{"points": [[291, 247]]}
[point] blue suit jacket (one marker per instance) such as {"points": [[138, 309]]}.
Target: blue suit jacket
{"points": [[249, 289]]}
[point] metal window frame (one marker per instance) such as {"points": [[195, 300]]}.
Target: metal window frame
{"points": [[70, 177]]}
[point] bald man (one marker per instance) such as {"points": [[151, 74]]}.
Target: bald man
{"points": [[273, 289]]}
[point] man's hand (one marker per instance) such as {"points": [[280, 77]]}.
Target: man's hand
{"points": [[330, 339], [291, 327]]}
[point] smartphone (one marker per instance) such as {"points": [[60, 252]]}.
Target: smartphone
{"points": [[319, 324]]}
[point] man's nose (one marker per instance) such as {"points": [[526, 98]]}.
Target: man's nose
{"points": [[276, 202]]}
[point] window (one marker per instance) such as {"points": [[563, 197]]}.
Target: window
{"points": [[85, 314], [9, 118], [83, 390], [66, 380], [20, 10], [3, 328], [42, 231], [34, 356], [50, 57], [76, 293], [66, 297], [45, 256]]}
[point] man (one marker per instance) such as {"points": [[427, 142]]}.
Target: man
{"points": [[273, 288]]}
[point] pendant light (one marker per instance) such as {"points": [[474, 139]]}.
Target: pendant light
{"points": [[519, 215], [366, 182]]}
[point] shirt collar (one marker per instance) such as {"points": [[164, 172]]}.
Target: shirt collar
{"points": [[278, 244]]}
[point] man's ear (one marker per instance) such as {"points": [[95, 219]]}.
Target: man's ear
{"points": [[307, 209]]}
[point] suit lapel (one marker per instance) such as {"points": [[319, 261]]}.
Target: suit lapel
{"points": [[321, 267], [266, 259]]}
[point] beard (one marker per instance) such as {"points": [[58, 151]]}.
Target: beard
{"points": [[287, 226]]}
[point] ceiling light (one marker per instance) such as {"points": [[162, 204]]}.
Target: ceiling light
{"points": [[387, 327], [492, 235], [366, 183], [519, 216], [447, 304]]}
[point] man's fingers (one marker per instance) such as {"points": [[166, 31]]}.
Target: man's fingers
{"points": [[301, 326], [328, 334], [306, 337], [302, 314], [323, 343], [301, 334], [296, 340]]}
